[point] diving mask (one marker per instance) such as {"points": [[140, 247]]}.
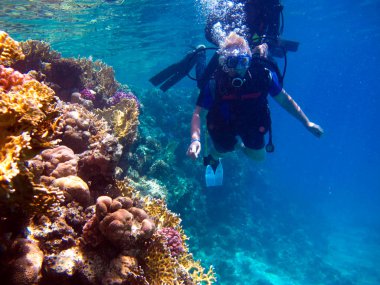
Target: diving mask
{"points": [[238, 62]]}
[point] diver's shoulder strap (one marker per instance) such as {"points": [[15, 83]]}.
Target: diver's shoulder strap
{"points": [[209, 71]]}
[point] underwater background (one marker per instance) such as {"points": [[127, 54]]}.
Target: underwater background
{"points": [[310, 213]]}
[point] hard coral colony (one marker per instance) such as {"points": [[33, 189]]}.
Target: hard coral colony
{"points": [[64, 216]]}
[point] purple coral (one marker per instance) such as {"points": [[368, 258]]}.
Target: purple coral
{"points": [[119, 95], [174, 240], [88, 94]]}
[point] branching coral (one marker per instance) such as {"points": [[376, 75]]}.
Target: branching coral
{"points": [[99, 77], [164, 218], [160, 266], [38, 56], [124, 119], [160, 251], [10, 50]]}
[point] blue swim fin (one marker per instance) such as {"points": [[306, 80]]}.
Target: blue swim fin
{"points": [[210, 176], [219, 174]]}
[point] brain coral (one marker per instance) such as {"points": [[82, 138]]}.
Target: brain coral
{"points": [[123, 228], [10, 50]]}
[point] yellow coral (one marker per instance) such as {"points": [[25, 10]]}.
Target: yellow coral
{"points": [[198, 274], [25, 104], [160, 265], [10, 152], [27, 119], [157, 209], [10, 50], [124, 119]]}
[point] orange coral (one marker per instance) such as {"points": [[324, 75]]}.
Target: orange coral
{"points": [[10, 50], [27, 115], [24, 100]]}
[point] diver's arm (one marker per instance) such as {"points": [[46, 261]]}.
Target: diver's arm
{"points": [[292, 107], [195, 145]]}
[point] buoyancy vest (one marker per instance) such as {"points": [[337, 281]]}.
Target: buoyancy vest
{"points": [[244, 105]]}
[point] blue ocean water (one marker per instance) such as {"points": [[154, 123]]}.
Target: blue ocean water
{"points": [[320, 220]]}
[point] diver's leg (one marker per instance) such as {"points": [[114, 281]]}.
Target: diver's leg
{"points": [[254, 154], [253, 143]]}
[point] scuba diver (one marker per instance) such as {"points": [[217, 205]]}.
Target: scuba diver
{"points": [[236, 101], [264, 23], [234, 80]]}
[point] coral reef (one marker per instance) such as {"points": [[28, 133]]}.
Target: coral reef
{"points": [[56, 159], [67, 75], [92, 140], [27, 115], [10, 50]]}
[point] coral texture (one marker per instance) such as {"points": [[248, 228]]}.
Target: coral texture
{"points": [[54, 163], [74, 189], [25, 267], [91, 138], [124, 120], [10, 50], [27, 116], [173, 241], [123, 228]]}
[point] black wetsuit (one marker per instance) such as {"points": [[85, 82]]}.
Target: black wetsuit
{"points": [[239, 111]]}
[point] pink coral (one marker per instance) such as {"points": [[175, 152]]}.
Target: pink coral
{"points": [[10, 78], [173, 240]]}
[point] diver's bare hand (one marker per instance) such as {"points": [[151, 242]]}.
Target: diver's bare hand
{"points": [[194, 150], [315, 129], [261, 50]]}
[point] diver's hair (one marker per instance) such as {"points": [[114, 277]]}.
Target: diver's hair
{"points": [[235, 42]]}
